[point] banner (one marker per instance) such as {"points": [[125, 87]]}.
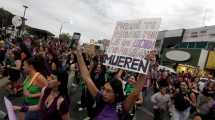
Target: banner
{"points": [[10, 111], [211, 61], [130, 42]]}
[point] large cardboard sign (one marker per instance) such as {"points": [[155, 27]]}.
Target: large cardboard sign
{"points": [[10, 111], [130, 42]]}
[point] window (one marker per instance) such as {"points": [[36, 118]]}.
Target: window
{"points": [[203, 31], [212, 35], [191, 45], [184, 45], [194, 34], [201, 44]]}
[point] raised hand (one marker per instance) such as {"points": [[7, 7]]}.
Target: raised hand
{"points": [[151, 56], [140, 81], [76, 50]]}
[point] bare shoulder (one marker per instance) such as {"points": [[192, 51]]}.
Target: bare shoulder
{"points": [[40, 76], [40, 80], [59, 102]]}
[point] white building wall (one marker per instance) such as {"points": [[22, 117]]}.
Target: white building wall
{"points": [[203, 59], [201, 34], [173, 33]]}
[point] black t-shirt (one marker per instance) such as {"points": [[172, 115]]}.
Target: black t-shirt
{"points": [[180, 103], [98, 79], [2, 55], [52, 112], [208, 93]]}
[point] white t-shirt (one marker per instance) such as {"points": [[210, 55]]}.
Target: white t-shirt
{"points": [[161, 101]]}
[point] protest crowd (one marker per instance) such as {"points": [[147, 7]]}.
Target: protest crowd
{"points": [[45, 75]]}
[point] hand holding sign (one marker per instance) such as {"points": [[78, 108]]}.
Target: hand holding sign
{"points": [[140, 81], [151, 56]]}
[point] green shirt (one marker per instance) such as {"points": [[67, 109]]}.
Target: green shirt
{"points": [[129, 88], [32, 89]]}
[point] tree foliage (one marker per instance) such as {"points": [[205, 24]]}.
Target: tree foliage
{"points": [[65, 36]]}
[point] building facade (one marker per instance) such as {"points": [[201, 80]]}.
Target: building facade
{"points": [[168, 39], [202, 38], [199, 43]]}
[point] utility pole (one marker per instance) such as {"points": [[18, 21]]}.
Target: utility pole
{"points": [[204, 17], [23, 20], [61, 28]]}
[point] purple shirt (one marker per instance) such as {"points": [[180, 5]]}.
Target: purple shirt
{"points": [[108, 112]]}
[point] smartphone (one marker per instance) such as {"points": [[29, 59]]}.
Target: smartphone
{"points": [[75, 39]]}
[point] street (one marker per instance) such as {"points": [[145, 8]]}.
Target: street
{"points": [[144, 112]]}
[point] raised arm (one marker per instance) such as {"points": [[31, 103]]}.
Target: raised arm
{"points": [[85, 73], [131, 99], [18, 65], [118, 75], [193, 100]]}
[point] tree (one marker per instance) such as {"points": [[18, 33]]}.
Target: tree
{"points": [[65, 36]]}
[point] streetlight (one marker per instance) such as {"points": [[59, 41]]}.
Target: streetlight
{"points": [[25, 7], [23, 19]]}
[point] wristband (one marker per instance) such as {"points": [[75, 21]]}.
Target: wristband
{"points": [[24, 108]]}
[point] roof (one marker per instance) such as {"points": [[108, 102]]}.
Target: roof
{"points": [[6, 19]]}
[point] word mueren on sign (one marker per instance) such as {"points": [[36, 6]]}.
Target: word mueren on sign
{"points": [[131, 41], [127, 63]]}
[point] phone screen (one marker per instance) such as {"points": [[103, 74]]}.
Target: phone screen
{"points": [[75, 39]]}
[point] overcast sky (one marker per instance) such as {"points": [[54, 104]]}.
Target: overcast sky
{"points": [[97, 18]]}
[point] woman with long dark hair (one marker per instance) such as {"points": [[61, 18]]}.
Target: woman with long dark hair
{"points": [[33, 84], [110, 101], [14, 71], [54, 100]]}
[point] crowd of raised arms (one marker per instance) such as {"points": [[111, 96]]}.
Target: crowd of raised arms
{"points": [[46, 74]]}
